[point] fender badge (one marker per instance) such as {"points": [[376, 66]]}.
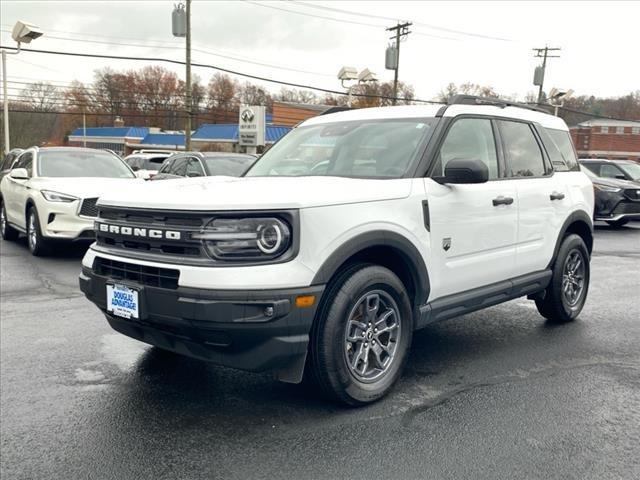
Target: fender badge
{"points": [[446, 244]]}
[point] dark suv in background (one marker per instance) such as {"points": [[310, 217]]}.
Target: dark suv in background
{"points": [[617, 200], [618, 169]]}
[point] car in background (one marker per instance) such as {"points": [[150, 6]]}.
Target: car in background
{"points": [[618, 169], [205, 164], [146, 165], [51, 194], [617, 201], [9, 160]]}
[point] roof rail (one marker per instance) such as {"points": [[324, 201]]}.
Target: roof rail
{"points": [[497, 102], [335, 110]]}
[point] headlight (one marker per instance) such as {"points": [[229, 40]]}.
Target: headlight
{"points": [[245, 238], [57, 197], [604, 188]]}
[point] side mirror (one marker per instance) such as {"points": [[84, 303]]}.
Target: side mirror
{"points": [[620, 177], [19, 174], [463, 170]]}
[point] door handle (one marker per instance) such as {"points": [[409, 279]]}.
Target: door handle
{"points": [[556, 196], [502, 201]]}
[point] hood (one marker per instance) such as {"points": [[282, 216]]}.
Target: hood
{"points": [[255, 193], [615, 182], [86, 187]]}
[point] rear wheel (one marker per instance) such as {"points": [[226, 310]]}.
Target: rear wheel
{"points": [[7, 231], [38, 245], [361, 337], [619, 223], [566, 294]]}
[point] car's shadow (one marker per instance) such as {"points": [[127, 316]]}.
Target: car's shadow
{"points": [[60, 249]]}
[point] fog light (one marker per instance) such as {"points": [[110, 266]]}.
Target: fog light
{"points": [[305, 301]]}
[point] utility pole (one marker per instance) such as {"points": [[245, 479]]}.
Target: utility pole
{"points": [[540, 71], [401, 31], [187, 127]]}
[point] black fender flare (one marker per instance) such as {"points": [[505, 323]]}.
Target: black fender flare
{"points": [[379, 238], [579, 216]]}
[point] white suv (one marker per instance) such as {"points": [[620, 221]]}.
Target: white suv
{"points": [[51, 193], [351, 232]]}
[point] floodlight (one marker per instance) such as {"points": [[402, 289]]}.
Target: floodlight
{"points": [[24, 32], [367, 75], [347, 73]]}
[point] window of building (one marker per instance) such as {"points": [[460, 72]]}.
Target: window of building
{"points": [[635, 130], [604, 129], [524, 157], [619, 130]]}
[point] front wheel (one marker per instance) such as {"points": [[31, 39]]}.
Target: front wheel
{"points": [[8, 232], [38, 245], [362, 335], [567, 292]]}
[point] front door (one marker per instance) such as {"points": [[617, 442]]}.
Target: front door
{"points": [[473, 227]]}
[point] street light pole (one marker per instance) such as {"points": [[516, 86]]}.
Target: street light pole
{"points": [[187, 128], [5, 98]]}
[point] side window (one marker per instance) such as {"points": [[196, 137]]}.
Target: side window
{"points": [[166, 166], [469, 138], [26, 161], [8, 160], [593, 167], [610, 171], [179, 166], [194, 168], [523, 154], [562, 139]]}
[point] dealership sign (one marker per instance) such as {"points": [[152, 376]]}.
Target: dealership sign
{"points": [[251, 125]]}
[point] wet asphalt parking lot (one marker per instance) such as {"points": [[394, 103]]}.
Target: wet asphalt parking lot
{"points": [[495, 394]]}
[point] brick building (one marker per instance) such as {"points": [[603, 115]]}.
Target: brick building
{"points": [[290, 113], [612, 139]]}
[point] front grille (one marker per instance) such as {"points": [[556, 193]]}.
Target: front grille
{"points": [[627, 207], [632, 193], [89, 207], [149, 276], [185, 224]]}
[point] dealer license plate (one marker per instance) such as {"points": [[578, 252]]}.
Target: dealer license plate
{"points": [[122, 301]]}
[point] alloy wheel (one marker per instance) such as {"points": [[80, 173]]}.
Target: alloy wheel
{"points": [[371, 336], [3, 222], [31, 231], [573, 278]]}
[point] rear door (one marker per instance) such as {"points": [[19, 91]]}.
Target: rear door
{"points": [[544, 201], [473, 227]]}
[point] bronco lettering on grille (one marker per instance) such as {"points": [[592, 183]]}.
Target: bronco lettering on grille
{"points": [[140, 232]]}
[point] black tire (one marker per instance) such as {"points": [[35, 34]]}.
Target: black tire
{"points": [[329, 346], [38, 244], [619, 223], [7, 231], [556, 306]]}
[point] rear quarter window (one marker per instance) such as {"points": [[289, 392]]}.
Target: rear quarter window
{"points": [[564, 145]]}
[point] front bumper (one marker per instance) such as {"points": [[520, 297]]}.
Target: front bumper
{"points": [[61, 221], [616, 206], [227, 327]]}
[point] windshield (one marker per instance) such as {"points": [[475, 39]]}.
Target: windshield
{"points": [[229, 166], [631, 169], [367, 148], [81, 163], [148, 163]]}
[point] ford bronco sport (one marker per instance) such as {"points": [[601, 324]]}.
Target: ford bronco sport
{"points": [[350, 233]]}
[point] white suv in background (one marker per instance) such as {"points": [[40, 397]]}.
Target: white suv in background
{"points": [[51, 193], [354, 230]]}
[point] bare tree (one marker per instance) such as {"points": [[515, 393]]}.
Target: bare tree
{"points": [[40, 97]]}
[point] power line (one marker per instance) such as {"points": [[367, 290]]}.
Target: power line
{"points": [[226, 70], [544, 54], [381, 17], [175, 47]]}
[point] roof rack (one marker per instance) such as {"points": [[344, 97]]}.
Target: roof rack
{"points": [[335, 110], [497, 102]]}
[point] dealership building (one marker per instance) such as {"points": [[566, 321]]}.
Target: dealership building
{"points": [[604, 138]]}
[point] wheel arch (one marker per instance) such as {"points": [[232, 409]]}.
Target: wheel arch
{"points": [[385, 248], [579, 223]]}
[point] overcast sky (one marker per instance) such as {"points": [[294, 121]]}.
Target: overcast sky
{"points": [[599, 41]]}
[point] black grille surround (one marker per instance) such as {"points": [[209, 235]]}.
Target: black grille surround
{"points": [[89, 207], [632, 194], [142, 274], [173, 229]]}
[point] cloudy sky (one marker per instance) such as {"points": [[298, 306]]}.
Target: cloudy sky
{"points": [[307, 42]]}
